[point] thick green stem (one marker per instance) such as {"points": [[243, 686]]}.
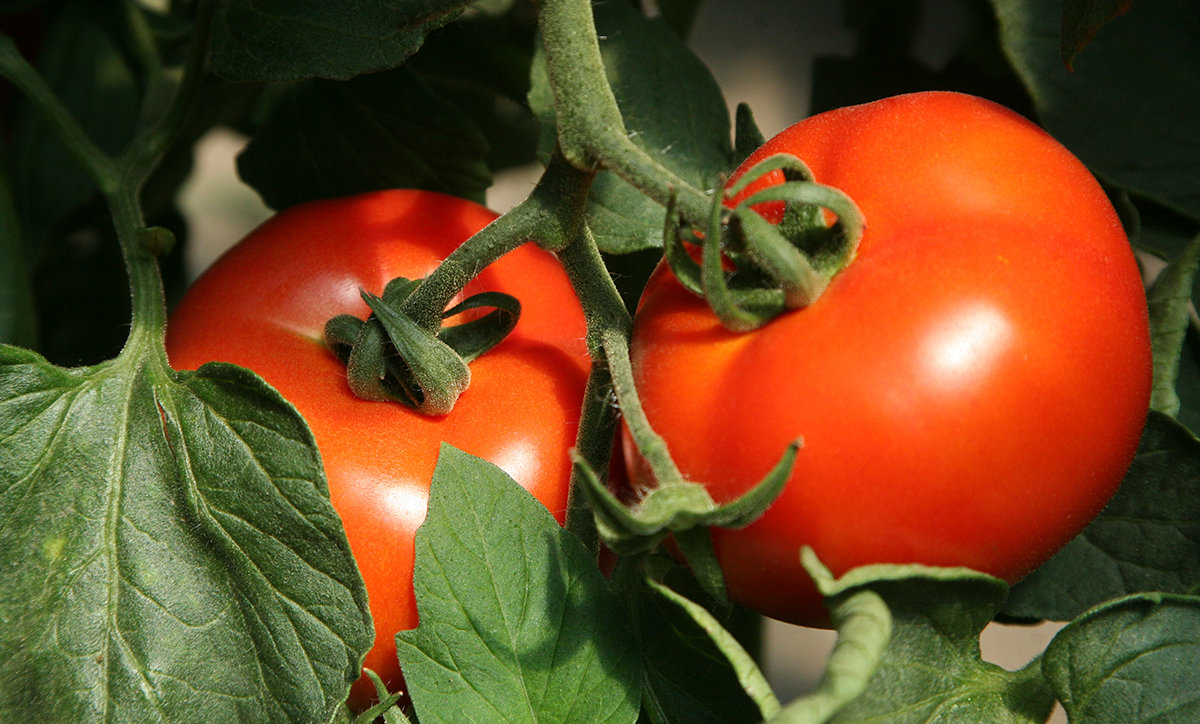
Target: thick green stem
{"points": [[606, 314], [548, 216], [428, 301], [591, 131], [149, 304]]}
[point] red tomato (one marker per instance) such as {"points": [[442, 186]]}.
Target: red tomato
{"points": [[264, 305], [970, 390]]}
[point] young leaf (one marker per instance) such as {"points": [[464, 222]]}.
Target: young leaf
{"points": [[298, 39], [693, 669], [1120, 110], [168, 548], [931, 669], [864, 625], [1132, 660], [1147, 539], [672, 108], [517, 623], [325, 139]]}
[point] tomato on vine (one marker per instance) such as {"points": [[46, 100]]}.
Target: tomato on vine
{"points": [[970, 390], [264, 305]]}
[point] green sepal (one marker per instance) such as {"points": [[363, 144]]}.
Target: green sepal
{"points": [[775, 266], [386, 708], [682, 265], [728, 305], [829, 248], [800, 283], [389, 357], [676, 506], [433, 374], [792, 167], [747, 137], [471, 339]]}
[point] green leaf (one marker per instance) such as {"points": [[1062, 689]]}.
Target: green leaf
{"points": [[1121, 110], [864, 625], [1132, 660], [326, 139], [17, 322], [1082, 19], [931, 669], [1147, 539], [481, 64], [1170, 299], [517, 623], [298, 39], [693, 669], [672, 108], [168, 549]]}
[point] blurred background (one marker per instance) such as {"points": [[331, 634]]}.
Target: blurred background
{"points": [[763, 55]]}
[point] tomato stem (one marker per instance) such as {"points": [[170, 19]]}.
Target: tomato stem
{"points": [[591, 130], [606, 314], [120, 179], [549, 216]]}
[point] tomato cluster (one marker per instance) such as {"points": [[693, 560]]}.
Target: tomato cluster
{"points": [[969, 391], [264, 305]]}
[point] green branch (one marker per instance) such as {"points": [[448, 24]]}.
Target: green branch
{"points": [[168, 99], [591, 131], [120, 179]]}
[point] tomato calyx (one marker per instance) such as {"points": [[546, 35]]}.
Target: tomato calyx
{"points": [[390, 358], [774, 250], [682, 509]]}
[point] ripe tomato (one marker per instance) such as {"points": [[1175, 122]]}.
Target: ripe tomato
{"points": [[970, 390], [264, 305]]}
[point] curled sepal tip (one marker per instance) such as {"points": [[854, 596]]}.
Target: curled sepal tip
{"points": [[433, 375], [777, 249], [389, 357], [729, 306], [676, 507], [682, 265], [864, 625]]}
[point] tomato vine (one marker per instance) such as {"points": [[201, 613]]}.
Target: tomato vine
{"points": [[177, 542]]}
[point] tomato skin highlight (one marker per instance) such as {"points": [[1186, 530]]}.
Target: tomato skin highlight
{"points": [[970, 390], [264, 304]]}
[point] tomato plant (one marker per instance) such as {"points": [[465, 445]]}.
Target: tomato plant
{"points": [[264, 305], [945, 385], [968, 372]]}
